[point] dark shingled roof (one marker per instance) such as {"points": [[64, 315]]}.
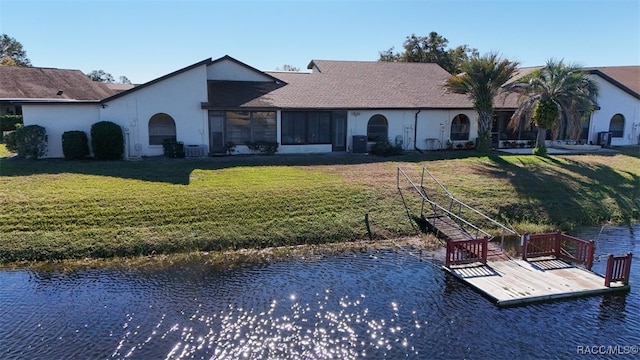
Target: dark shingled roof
{"points": [[625, 77], [344, 85], [369, 85], [18, 82]]}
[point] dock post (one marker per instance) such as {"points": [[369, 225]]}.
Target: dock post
{"points": [[590, 253], [558, 244], [485, 246], [447, 259], [609, 271], [525, 242], [627, 268]]}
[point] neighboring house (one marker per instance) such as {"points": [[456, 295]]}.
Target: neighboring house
{"points": [[617, 114], [619, 105], [19, 83], [338, 106]]}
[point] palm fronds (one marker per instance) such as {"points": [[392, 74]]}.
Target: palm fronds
{"points": [[481, 79], [566, 85]]}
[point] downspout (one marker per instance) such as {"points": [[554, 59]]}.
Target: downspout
{"points": [[415, 133]]}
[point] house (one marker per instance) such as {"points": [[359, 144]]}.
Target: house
{"points": [[212, 102], [336, 106]]}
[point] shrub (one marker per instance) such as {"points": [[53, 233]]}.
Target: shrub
{"points": [[10, 141], [75, 145], [263, 147], [382, 147], [107, 141], [28, 141], [10, 122], [540, 151], [172, 148], [230, 147]]}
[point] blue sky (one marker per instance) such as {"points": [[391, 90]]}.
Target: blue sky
{"points": [[145, 39]]}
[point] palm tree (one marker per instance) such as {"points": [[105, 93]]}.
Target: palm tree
{"points": [[556, 97], [481, 79]]}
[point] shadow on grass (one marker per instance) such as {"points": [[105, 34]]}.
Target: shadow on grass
{"points": [[177, 171], [632, 150], [570, 192]]}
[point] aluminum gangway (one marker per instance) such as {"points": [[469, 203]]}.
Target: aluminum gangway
{"points": [[450, 222]]}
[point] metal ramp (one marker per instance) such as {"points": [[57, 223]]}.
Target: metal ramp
{"points": [[456, 222]]}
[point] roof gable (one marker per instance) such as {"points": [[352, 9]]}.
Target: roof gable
{"points": [[162, 78], [227, 68]]}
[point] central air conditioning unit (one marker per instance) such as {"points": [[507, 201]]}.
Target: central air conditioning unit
{"points": [[195, 151], [359, 144]]}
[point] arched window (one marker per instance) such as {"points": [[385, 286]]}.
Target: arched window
{"points": [[161, 128], [616, 126], [377, 128], [460, 127]]}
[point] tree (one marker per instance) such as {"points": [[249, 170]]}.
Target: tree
{"points": [[287, 67], [100, 76], [124, 80], [556, 97], [481, 79], [12, 53], [430, 49]]}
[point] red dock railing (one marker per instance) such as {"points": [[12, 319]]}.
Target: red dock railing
{"points": [[618, 269], [560, 245], [467, 251]]}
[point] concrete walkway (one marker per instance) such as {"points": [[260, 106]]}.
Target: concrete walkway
{"points": [[556, 151]]}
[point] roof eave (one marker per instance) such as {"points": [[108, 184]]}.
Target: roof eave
{"points": [[54, 102], [615, 82]]}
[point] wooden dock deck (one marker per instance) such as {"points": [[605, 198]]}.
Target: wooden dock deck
{"points": [[517, 282], [445, 227]]}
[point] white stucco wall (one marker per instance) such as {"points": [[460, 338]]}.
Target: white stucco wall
{"points": [[612, 100], [57, 119], [230, 70], [434, 125], [179, 96]]}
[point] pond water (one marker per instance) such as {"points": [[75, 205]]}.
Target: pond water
{"points": [[392, 303]]}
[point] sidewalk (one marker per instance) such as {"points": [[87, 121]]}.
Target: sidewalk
{"points": [[555, 151]]}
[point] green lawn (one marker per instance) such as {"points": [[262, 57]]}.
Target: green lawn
{"points": [[3, 151], [56, 209]]}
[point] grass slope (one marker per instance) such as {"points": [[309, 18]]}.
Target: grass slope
{"points": [[56, 209]]}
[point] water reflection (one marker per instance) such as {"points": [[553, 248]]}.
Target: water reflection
{"points": [[389, 303], [612, 307]]}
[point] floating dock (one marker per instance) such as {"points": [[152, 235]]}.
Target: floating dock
{"points": [[517, 282], [546, 271], [553, 265]]}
